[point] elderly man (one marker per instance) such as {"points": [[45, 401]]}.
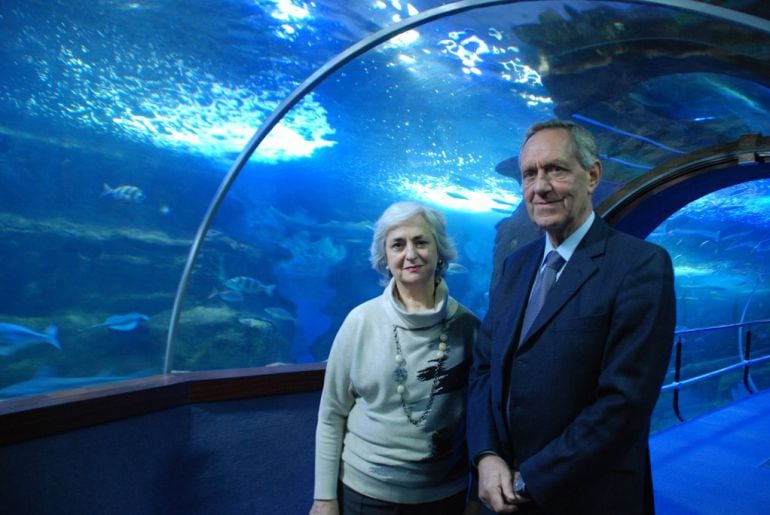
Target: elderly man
{"points": [[573, 350]]}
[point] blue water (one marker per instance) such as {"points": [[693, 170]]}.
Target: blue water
{"points": [[162, 96]]}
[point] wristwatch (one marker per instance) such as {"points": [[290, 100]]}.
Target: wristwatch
{"points": [[520, 487]]}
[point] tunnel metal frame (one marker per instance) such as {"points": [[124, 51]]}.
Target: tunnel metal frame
{"points": [[645, 202], [338, 62]]}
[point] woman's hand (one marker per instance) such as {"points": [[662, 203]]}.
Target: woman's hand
{"points": [[325, 507]]}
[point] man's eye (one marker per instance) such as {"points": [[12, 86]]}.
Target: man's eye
{"points": [[558, 171]]}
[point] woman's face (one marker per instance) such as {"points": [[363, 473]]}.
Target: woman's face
{"points": [[411, 252]]}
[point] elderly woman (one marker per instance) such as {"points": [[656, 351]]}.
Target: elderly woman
{"points": [[391, 432]]}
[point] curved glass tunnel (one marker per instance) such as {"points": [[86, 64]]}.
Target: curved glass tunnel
{"points": [[116, 131]]}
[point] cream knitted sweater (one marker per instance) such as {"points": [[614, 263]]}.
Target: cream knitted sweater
{"points": [[363, 435]]}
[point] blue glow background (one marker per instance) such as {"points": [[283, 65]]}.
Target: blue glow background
{"points": [[163, 95]]}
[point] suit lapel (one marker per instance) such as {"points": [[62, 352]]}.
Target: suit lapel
{"points": [[581, 266], [516, 291]]}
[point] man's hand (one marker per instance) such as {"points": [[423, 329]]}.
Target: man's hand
{"points": [[496, 484]]}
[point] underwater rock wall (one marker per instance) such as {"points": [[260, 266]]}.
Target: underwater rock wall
{"points": [[109, 293]]}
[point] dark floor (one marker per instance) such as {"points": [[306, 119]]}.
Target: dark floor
{"points": [[718, 463]]}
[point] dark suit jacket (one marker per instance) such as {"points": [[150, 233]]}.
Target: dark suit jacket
{"points": [[571, 406]]}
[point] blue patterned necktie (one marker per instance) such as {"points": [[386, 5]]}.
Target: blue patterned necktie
{"points": [[543, 283]]}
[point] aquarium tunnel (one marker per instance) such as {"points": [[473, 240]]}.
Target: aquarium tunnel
{"points": [[189, 191]]}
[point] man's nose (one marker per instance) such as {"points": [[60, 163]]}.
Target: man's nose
{"points": [[542, 183]]}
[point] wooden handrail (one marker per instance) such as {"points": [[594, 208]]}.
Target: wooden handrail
{"points": [[25, 418]]}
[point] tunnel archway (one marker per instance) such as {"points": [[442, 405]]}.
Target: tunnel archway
{"points": [[642, 204], [333, 66]]}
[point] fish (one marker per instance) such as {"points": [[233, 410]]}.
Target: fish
{"points": [[14, 338], [279, 314], [255, 323], [338, 230], [308, 254], [456, 268], [127, 322], [459, 196], [249, 285], [504, 202], [125, 193], [227, 295]]}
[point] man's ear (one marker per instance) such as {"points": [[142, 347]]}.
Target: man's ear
{"points": [[594, 175]]}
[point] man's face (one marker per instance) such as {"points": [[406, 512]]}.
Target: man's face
{"points": [[557, 189]]}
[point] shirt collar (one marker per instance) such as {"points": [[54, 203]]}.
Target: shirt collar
{"points": [[567, 248]]}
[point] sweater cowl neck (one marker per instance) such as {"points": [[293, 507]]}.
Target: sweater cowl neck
{"points": [[445, 307]]}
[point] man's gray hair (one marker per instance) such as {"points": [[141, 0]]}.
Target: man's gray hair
{"points": [[585, 145]]}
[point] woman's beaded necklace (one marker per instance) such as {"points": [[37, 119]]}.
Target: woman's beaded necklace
{"points": [[400, 374]]}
